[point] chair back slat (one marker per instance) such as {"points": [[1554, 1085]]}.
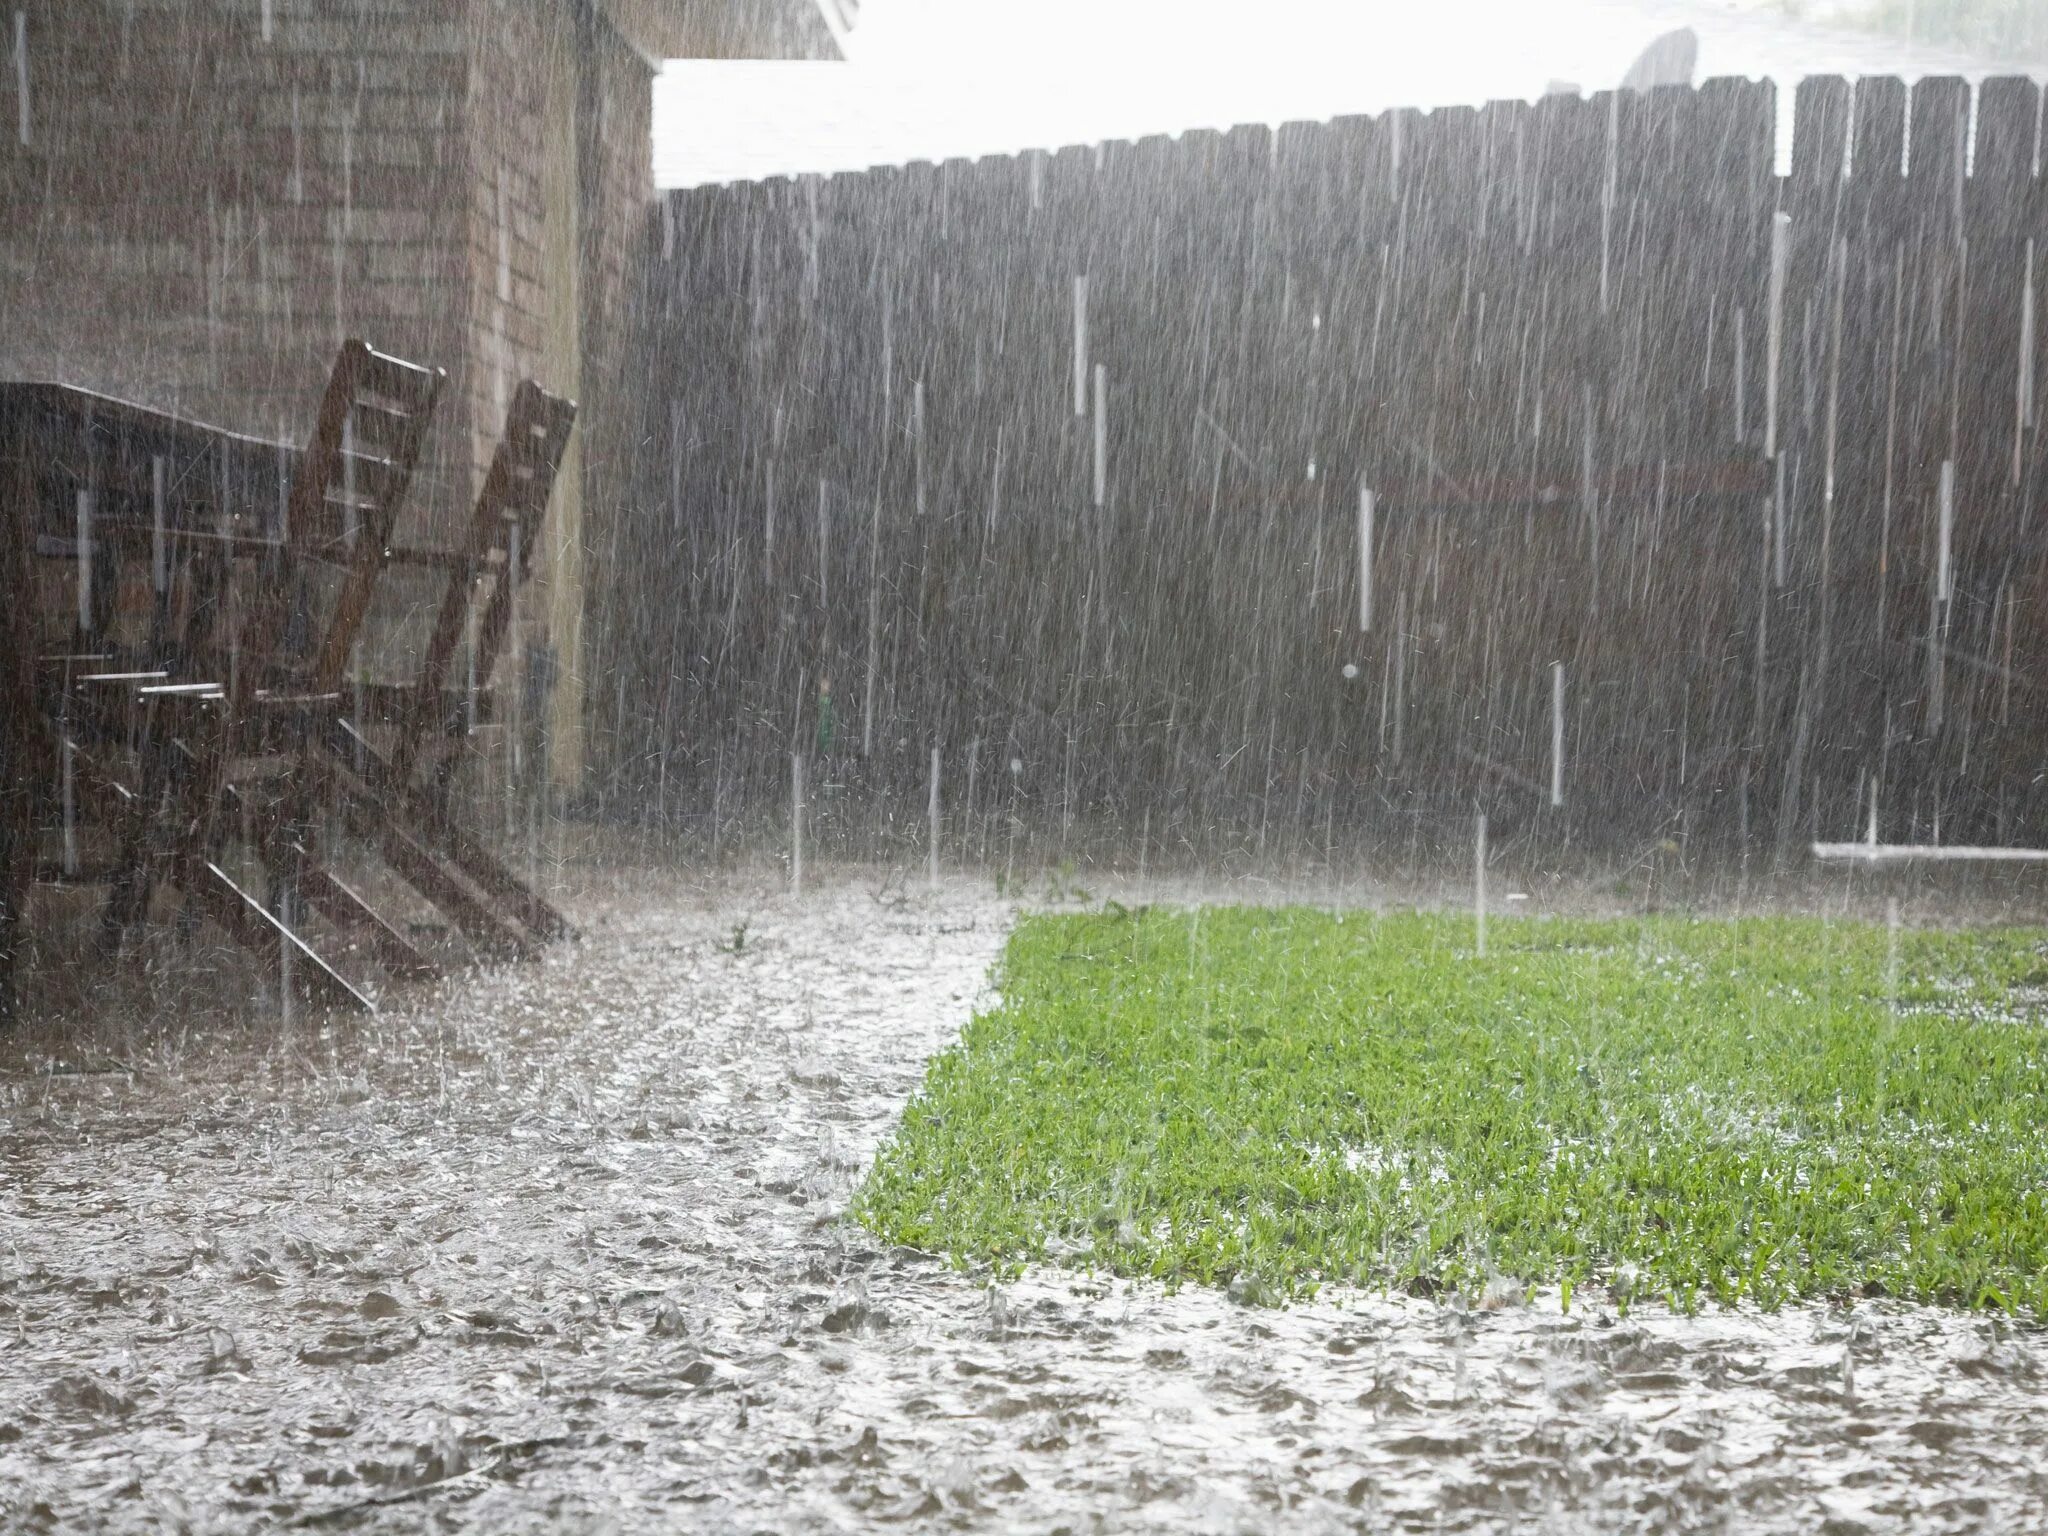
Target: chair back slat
{"points": [[515, 494], [343, 502]]}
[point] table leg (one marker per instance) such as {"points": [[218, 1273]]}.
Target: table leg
{"points": [[20, 721]]}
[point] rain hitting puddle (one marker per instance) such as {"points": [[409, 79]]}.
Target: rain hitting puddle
{"points": [[561, 1248]]}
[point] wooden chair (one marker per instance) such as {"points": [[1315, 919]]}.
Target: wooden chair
{"points": [[503, 530], [250, 736], [335, 764], [377, 797], [165, 820], [341, 511], [410, 820]]}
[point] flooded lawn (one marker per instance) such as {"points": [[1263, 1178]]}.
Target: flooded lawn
{"points": [[563, 1247], [1676, 1108]]}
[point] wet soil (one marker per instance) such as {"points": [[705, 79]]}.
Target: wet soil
{"points": [[561, 1247]]}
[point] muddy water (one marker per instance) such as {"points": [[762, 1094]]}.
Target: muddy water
{"points": [[560, 1248]]}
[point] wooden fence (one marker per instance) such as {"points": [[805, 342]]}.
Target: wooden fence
{"points": [[1562, 461]]}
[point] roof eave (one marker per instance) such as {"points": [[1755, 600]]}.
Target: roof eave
{"points": [[730, 29]]}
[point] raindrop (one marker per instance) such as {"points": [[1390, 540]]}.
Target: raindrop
{"points": [[21, 74], [796, 823], [917, 442], [68, 795], [867, 720], [500, 349], [1081, 344], [514, 656], [995, 485], [1741, 374], [1777, 510], [1364, 558], [1557, 733], [2024, 390], [1781, 233], [933, 816], [1944, 585], [1101, 431], [1607, 191], [287, 916], [1479, 887], [469, 664], [84, 551]]}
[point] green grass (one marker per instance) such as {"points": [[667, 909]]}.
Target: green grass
{"points": [[1673, 1108]]}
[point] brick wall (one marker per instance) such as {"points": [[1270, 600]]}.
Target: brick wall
{"points": [[214, 192], [211, 194], [511, 47], [616, 179], [557, 93]]}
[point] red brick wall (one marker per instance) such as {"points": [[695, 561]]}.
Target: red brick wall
{"points": [[215, 192], [616, 191], [509, 48], [202, 212], [616, 173]]}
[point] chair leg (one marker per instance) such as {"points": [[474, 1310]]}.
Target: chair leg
{"points": [[345, 909], [434, 829], [141, 849], [253, 927], [416, 866]]}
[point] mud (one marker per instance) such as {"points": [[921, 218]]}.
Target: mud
{"points": [[560, 1247]]}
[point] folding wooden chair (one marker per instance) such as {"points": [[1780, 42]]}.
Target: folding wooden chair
{"points": [[335, 763], [289, 658], [166, 825], [409, 820], [503, 530], [343, 504]]}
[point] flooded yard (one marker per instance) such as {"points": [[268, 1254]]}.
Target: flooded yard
{"points": [[562, 1247]]}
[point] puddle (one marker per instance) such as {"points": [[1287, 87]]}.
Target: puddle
{"points": [[561, 1248]]}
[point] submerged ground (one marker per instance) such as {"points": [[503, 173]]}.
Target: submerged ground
{"points": [[564, 1247]]}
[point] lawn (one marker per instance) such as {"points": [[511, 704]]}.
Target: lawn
{"points": [[1673, 1108]]}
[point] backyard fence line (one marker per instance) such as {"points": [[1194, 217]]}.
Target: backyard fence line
{"points": [[1753, 463]]}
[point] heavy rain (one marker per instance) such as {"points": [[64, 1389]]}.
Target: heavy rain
{"points": [[793, 764]]}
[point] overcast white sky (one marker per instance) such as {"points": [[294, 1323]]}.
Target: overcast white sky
{"points": [[927, 79]]}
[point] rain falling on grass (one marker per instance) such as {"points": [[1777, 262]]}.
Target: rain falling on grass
{"points": [[1692, 1110]]}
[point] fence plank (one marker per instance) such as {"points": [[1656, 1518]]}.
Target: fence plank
{"points": [[1518, 325]]}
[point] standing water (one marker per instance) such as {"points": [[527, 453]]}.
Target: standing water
{"points": [[572, 1241]]}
